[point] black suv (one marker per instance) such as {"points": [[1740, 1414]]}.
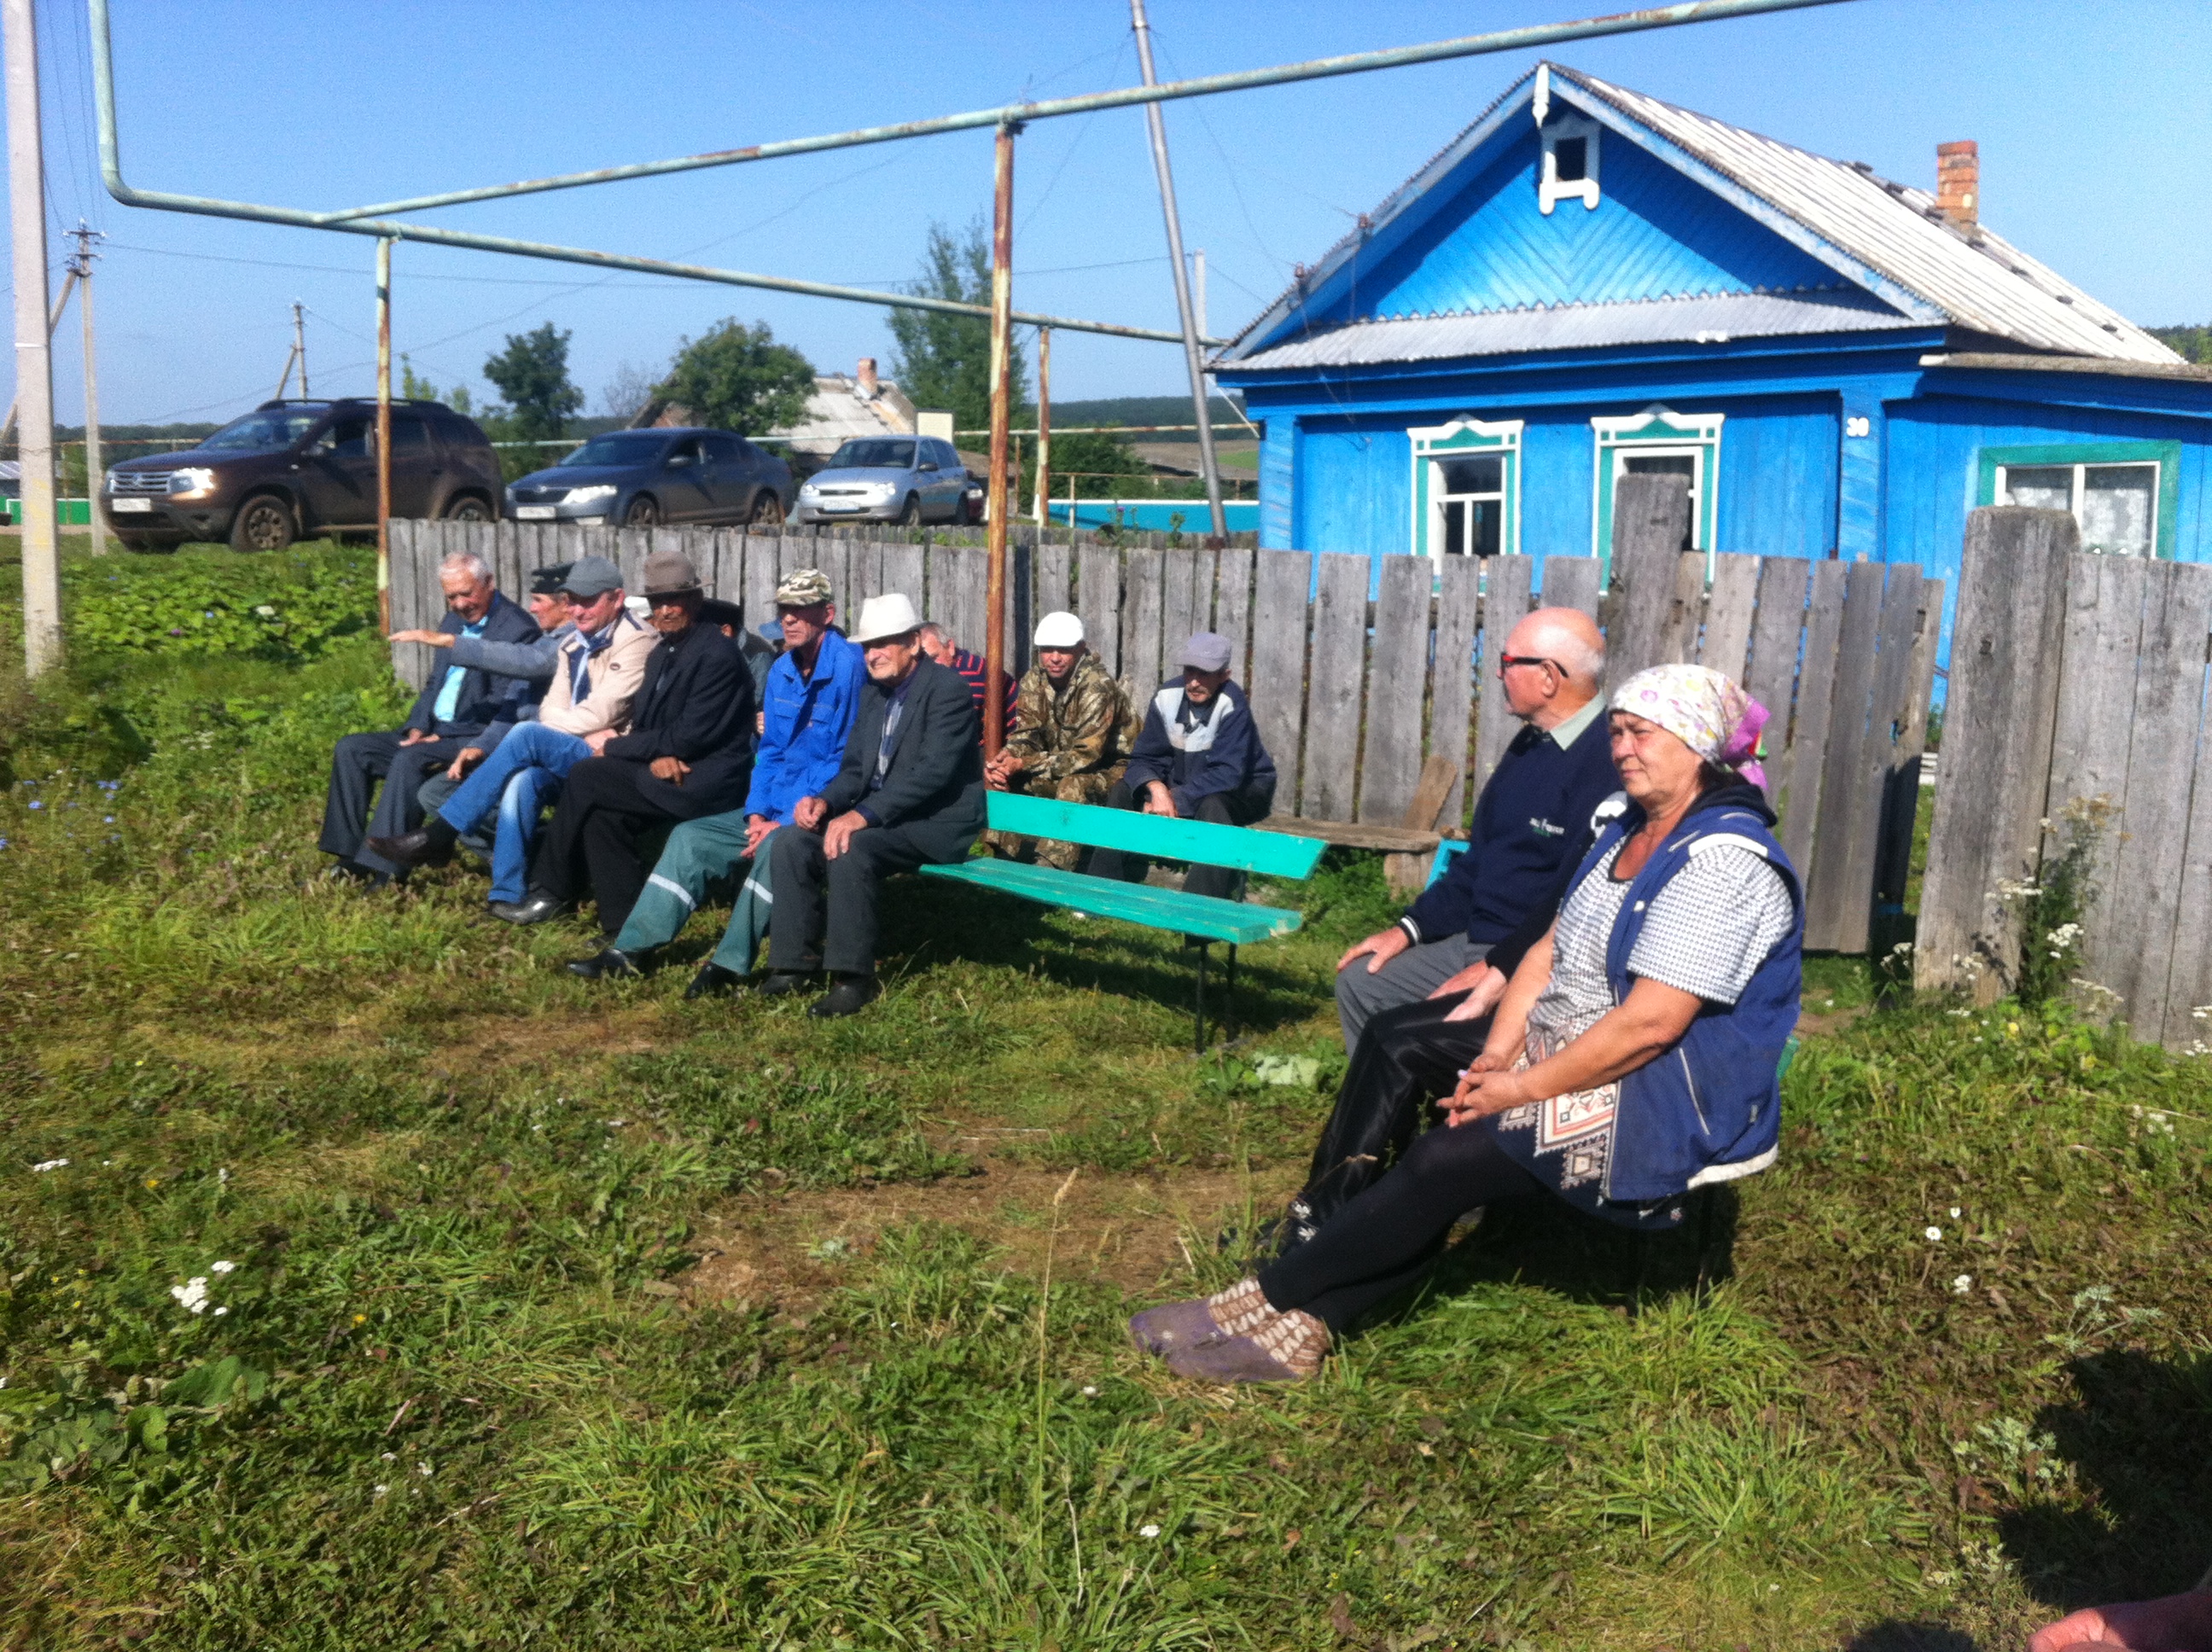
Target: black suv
{"points": [[289, 469]]}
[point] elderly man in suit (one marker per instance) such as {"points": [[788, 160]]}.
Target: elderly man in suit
{"points": [[455, 707], [909, 794]]}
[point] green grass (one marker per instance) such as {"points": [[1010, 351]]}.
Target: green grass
{"points": [[464, 1394]]}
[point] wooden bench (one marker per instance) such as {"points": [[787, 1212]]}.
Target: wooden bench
{"points": [[1405, 846], [1156, 837]]}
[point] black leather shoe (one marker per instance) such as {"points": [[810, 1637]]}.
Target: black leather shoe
{"points": [[429, 847], [851, 995], [534, 907], [611, 962], [711, 981], [782, 984]]}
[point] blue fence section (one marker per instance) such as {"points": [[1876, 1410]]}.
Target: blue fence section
{"points": [[1157, 515]]}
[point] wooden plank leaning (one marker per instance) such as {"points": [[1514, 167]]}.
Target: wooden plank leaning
{"points": [[1865, 804], [1770, 679], [1686, 608], [1504, 604], [2189, 974], [1651, 525], [1280, 618], [402, 555], [1573, 582], [1893, 864], [1451, 695], [1997, 721], [1829, 895], [1727, 642], [1333, 684], [1397, 686], [1808, 744]]}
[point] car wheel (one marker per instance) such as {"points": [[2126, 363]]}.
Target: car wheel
{"points": [[912, 513], [768, 508], [468, 508], [263, 523], [644, 512]]}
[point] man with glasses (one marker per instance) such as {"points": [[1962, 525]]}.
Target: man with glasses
{"points": [[599, 674], [1531, 813]]}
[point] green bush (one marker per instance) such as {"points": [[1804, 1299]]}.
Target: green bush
{"points": [[288, 608]]}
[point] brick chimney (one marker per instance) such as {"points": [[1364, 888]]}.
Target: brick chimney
{"points": [[1958, 182], [865, 378]]}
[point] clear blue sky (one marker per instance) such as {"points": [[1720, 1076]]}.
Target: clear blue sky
{"points": [[2094, 121]]}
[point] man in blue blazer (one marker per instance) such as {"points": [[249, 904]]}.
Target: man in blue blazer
{"points": [[458, 702]]}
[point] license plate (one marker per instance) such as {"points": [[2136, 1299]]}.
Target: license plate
{"points": [[122, 506], [534, 513], [840, 510]]}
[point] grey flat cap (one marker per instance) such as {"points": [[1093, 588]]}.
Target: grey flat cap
{"points": [[1207, 650], [592, 576]]}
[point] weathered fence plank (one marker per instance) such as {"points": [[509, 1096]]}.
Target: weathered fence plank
{"points": [[1055, 565], [1504, 604], [1865, 804], [1281, 614], [904, 570], [1893, 864], [1179, 605], [1844, 764], [1451, 720], [1651, 525], [1816, 683], [2189, 974], [1141, 577], [1397, 683], [1232, 607], [1771, 676], [1729, 610], [1327, 791], [1573, 582], [1098, 600], [1678, 638]]}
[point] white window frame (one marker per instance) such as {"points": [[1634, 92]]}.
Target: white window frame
{"points": [[1550, 191], [1657, 432], [1463, 437], [2080, 468]]}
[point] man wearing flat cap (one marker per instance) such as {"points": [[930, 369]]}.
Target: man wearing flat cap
{"points": [[813, 688], [597, 675], [1199, 758], [1072, 737], [908, 794]]}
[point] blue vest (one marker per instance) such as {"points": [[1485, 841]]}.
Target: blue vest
{"points": [[1710, 1109]]}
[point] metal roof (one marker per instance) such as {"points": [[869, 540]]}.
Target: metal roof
{"points": [[1889, 238], [1709, 319]]}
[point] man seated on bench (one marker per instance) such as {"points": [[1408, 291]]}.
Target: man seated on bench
{"points": [[1199, 758], [1532, 810], [941, 646], [909, 794], [1071, 740]]}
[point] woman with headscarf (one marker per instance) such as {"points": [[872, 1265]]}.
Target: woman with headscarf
{"points": [[1633, 1060]]}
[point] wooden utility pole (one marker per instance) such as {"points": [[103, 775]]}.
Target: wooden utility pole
{"points": [[94, 471], [1001, 495], [1044, 427], [383, 432], [299, 352], [35, 366]]}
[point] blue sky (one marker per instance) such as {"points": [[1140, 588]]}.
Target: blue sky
{"points": [[2095, 122]]}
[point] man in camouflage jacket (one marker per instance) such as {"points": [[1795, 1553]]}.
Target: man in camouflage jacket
{"points": [[1072, 736]]}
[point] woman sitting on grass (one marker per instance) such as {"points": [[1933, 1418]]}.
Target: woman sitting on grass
{"points": [[1632, 1059]]}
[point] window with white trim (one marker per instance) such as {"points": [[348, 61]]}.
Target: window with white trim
{"points": [[1466, 483], [1661, 442]]}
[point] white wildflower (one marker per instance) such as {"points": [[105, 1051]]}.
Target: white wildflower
{"points": [[1932, 1234], [1962, 1284], [1148, 1531], [1955, 1212], [381, 1490], [219, 1312], [231, 1267], [266, 610], [191, 1296], [50, 1164], [1090, 1391]]}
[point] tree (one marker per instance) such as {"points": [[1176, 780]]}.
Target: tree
{"points": [[414, 387], [738, 378], [944, 360], [533, 374], [625, 395]]}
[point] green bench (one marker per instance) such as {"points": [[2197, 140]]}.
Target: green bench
{"points": [[1159, 838]]}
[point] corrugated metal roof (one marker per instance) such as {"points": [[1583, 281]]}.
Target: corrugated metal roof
{"points": [[1710, 318]]}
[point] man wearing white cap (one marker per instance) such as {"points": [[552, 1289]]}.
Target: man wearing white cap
{"points": [[1200, 758], [1072, 735], [909, 794]]}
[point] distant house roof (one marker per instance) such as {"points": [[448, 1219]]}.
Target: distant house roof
{"points": [[839, 408], [1889, 241]]}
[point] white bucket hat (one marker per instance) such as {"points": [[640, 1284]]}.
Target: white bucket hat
{"points": [[888, 616], [1060, 629]]}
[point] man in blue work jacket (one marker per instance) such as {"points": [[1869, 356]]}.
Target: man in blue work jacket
{"points": [[1531, 814], [812, 690]]}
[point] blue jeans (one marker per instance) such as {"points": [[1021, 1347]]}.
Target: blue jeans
{"points": [[534, 758]]}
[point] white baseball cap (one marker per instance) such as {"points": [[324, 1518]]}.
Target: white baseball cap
{"points": [[1060, 629], [888, 616]]}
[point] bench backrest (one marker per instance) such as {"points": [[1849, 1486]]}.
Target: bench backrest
{"points": [[1235, 847]]}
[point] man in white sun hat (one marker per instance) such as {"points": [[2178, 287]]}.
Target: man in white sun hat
{"points": [[1072, 737], [909, 794]]}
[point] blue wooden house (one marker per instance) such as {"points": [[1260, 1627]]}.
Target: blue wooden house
{"points": [[1589, 283]]}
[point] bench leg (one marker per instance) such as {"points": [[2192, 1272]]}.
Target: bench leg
{"points": [[1229, 1000], [1204, 947]]}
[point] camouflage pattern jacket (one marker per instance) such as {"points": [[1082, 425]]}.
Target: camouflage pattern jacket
{"points": [[1086, 726]]}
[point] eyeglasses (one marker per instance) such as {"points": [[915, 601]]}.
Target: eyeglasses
{"points": [[1507, 662]]}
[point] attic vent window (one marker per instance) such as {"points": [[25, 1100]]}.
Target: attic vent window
{"points": [[1570, 168]]}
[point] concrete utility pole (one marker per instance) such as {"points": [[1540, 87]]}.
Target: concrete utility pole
{"points": [[95, 470], [53, 320], [1001, 495], [1193, 352], [383, 432], [1044, 427], [35, 366]]}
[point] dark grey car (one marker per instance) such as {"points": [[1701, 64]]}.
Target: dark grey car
{"points": [[636, 478]]}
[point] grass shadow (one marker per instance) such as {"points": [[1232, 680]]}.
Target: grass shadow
{"points": [[1897, 1635]]}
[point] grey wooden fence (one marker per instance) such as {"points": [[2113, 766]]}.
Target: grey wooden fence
{"points": [[2076, 680], [1353, 692]]}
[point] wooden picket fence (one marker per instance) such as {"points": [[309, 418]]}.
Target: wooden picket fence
{"points": [[2077, 682], [1351, 692]]}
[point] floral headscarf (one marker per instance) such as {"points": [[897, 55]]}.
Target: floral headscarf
{"points": [[1702, 709]]}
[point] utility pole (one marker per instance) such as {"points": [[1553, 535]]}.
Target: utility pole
{"points": [[94, 471], [1044, 427], [53, 320], [1001, 497], [35, 366], [299, 352], [383, 432], [1193, 352]]}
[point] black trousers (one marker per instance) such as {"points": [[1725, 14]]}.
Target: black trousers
{"points": [[1238, 808], [360, 762], [826, 912], [596, 838], [1385, 1239]]}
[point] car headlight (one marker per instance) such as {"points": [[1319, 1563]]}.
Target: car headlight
{"points": [[882, 490], [189, 482], [807, 490], [585, 495], [111, 481]]}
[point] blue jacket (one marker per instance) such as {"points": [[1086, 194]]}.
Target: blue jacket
{"points": [[1710, 1109], [486, 697], [1528, 831], [803, 744], [1222, 754]]}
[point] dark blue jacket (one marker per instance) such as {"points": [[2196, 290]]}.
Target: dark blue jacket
{"points": [[1531, 816], [1222, 754], [486, 697], [1710, 1109]]}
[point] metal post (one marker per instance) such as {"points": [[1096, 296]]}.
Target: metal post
{"points": [[299, 349], [1044, 428], [1193, 357], [35, 366], [383, 433], [95, 470], [1001, 497]]}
